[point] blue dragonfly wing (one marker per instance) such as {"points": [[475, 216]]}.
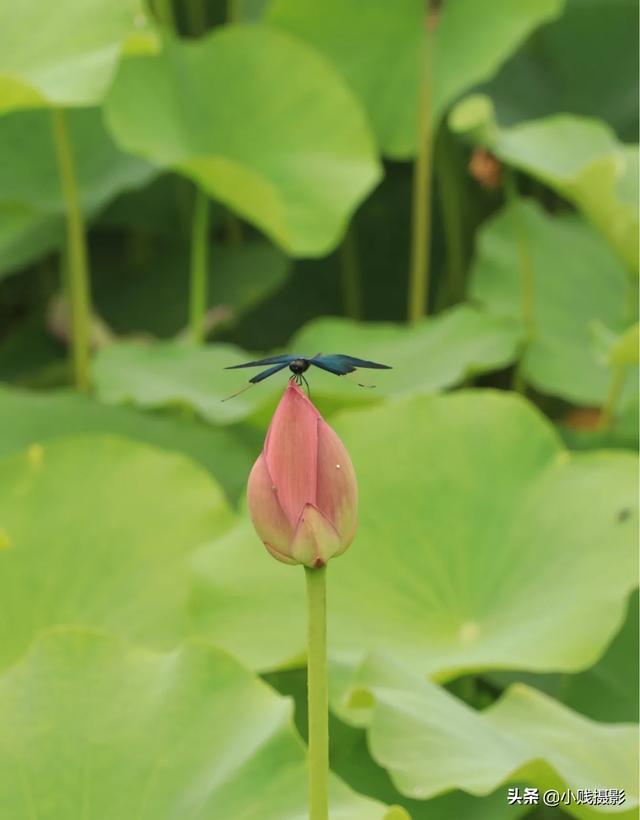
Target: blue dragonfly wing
{"points": [[351, 360], [284, 359], [327, 363], [269, 372], [340, 364]]}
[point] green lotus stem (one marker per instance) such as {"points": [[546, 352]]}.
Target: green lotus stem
{"points": [[317, 694], [526, 273], [421, 205], [77, 268], [524, 253], [199, 288], [608, 408], [452, 207], [350, 276]]}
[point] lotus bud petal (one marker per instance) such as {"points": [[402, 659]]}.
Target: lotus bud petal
{"points": [[302, 493]]}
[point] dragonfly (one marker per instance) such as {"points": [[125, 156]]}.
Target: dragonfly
{"points": [[336, 363]]}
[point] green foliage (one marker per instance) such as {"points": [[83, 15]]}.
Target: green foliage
{"points": [[352, 761], [177, 373], [483, 629], [435, 354], [580, 158], [474, 574], [133, 733], [609, 689], [564, 357], [31, 203], [66, 53], [624, 349], [606, 691], [524, 735], [151, 295], [116, 552], [28, 418], [379, 46], [560, 68], [303, 178]]}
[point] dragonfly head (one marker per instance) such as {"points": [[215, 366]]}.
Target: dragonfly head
{"points": [[298, 366]]}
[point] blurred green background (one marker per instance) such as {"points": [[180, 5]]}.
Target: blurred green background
{"points": [[449, 188]]}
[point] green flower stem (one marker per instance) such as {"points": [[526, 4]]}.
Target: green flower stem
{"points": [[350, 275], [452, 205], [526, 272], [199, 289], [421, 207], [609, 406], [77, 270], [317, 693]]}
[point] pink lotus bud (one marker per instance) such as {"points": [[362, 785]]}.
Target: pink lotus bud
{"points": [[302, 494]]}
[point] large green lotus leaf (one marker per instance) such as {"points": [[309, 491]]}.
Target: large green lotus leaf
{"points": [[560, 68], [606, 691], [66, 53], [578, 284], [609, 689], [578, 157], [92, 727], [432, 742], [434, 355], [28, 418], [180, 374], [352, 761], [154, 296], [31, 202], [286, 144], [378, 45], [249, 604], [96, 531], [480, 546]]}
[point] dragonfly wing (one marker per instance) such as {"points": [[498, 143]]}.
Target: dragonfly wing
{"points": [[269, 372], [326, 363], [259, 362], [362, 362], [339, 363]]}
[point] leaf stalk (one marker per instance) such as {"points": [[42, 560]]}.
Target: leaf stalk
{"points": [[419, 271], [77, 267]]}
